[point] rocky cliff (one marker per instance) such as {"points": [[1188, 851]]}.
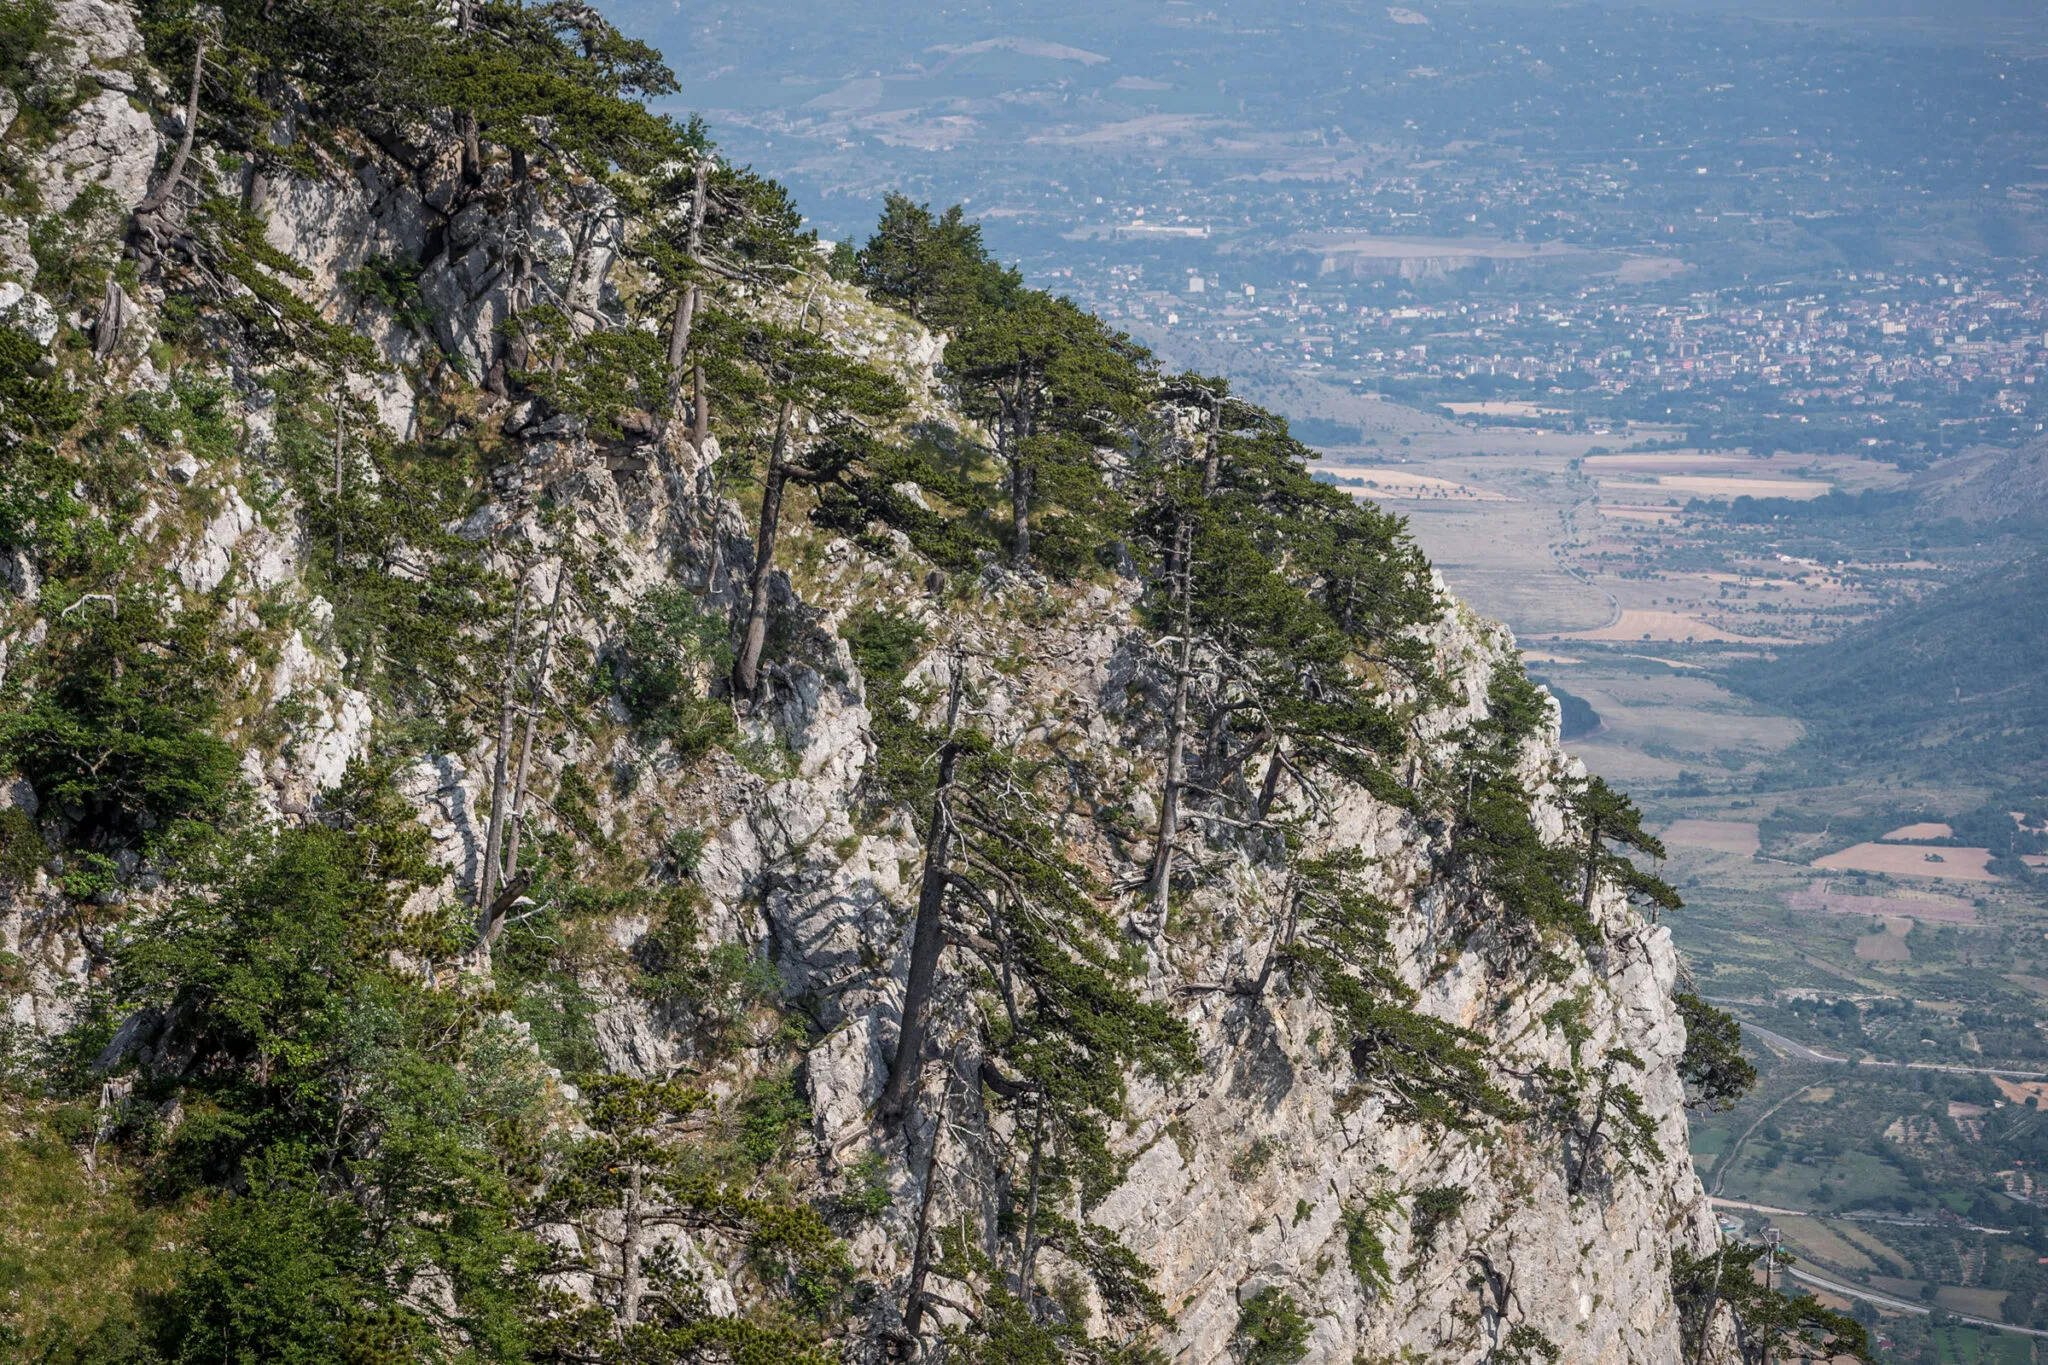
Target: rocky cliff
{"points": [[1274, 1162]]}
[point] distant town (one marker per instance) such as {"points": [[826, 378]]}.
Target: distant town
{"points": [[1889, 362]]}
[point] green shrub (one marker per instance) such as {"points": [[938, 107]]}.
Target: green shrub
{"points": [[1365, 1242], [24, 28], [22, 849], [667, 639], [1434, 1208], [769, 1117], [1271, 1329], [867, 1186], [884, 646], [116, 736]]}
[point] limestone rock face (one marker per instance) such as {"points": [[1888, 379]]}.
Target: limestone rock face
{"points": [[109, 141], [1253, 1173]]}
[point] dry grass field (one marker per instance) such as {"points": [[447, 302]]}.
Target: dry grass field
{"points": [[2019, 1092], [1816, 1239], [1497, 408], [1912, 860], [1822, 897], [1727, 487], [1926, 829], [1646, 624], [1659, 516], [1983, 1303], [1530, 528], [1888, 946], [1411, 484], [1721, 836]]}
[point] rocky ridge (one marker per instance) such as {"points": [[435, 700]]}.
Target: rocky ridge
{"points": [[1241, 1177]]}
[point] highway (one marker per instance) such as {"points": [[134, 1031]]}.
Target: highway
{"points": [[1800, 1052], [1855, 1291]]}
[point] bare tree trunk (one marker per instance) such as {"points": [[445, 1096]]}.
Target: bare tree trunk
{"points": [[678, 344], [699, 200], [1183, 674], [686, 310], [700, 408], [536, 697], [472, 151], [1283, 939], [1020, 485], [1271, 787], [488, 885], [115, 314], [1176, 739], [927, 941], [1025, 1268], [920, 1260], [340, 438], [632, 1285], [1212, 458], [746, 673], [1592, 866], [162, 195]]}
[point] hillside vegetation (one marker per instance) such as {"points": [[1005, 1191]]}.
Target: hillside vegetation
{"points": [[586, 782], [1948, 686]]}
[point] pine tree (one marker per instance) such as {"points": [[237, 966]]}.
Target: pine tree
{"points": [[1263, 664], [711, 228], [804, 380], [1713, 1064], [934, 267], [636, 1179], [1057, 1020], [1054, 383], [1507, 875], [1769, 1324], [1605, 816], [1335, 938]]}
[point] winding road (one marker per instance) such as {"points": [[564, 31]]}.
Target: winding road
{"points": [[1570, 518]]}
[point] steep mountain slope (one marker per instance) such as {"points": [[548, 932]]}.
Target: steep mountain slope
{"points": [[1948, 685], [1993, 486], [471, 865]]}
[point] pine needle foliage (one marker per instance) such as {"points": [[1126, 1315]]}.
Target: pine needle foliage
{"points": [[1338, 943]]}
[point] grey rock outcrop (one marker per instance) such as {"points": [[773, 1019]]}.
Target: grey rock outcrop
{"points": [[1251, 1174]]}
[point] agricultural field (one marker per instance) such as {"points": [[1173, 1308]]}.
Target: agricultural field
{"points": [[1878, 923], [1649, 534], [1912, 860]]}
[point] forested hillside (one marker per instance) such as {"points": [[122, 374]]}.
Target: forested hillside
{"points": [[588, 781], [1950, 685]]}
